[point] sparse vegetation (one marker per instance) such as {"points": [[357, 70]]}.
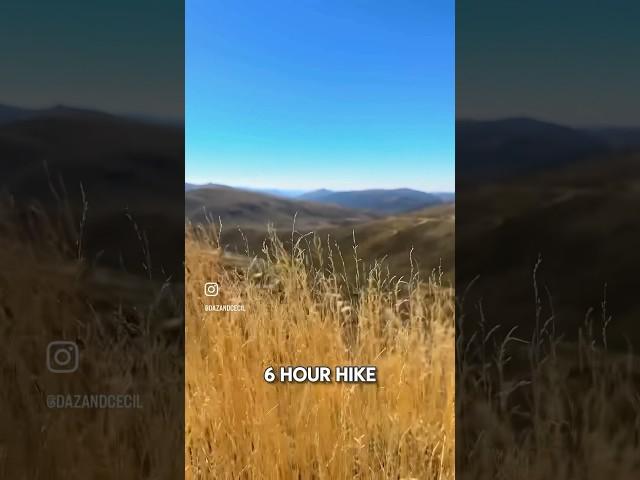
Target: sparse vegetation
{"points": [[533, 408], [540, 407], [427, 232], [48, 292], [542, 394], [302, 310]]}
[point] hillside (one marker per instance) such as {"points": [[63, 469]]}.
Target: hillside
{"points": [[252, 210], [125, 167], [405, 330], [276, 192], [376, 200], [196, 186], [429, 232], [579, 219], [10, 114], [499, 149]]}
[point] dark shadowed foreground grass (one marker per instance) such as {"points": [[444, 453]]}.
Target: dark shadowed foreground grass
{"points": [[48, 292], [540, 408]]}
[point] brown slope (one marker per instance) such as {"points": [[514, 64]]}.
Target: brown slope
{"points": [[246, 210], [426, 236], [582, 220], [428, 232], [126, 169]]}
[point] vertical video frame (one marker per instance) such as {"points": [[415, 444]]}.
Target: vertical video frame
{"points": [[319, 236]]}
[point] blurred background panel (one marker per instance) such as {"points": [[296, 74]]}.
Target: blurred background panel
{"points": [[547, 143], [547, 176], [92, 106], [92, 238]]}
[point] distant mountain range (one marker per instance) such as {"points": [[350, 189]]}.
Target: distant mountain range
{"points": [[379, 201], [9, 114], [619, 137], [245, 216], [498, 149], [536, 191], [125, 166], [12, 114], [188, 187], [254, 210], [376, 200], [277, 192]]}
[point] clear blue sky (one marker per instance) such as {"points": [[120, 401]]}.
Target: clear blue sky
{"points": [[305, 94]]}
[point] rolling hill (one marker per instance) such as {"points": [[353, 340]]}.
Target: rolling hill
{"points": [[376, 200], [253, 210], [10, 113], [570, 204], [125, 167], [499, 149], [429, 232], [427, 236], [276, 192]]}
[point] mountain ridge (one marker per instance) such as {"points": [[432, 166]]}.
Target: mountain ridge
{"points": [[490, 150], [249, 209], [387, 201]]}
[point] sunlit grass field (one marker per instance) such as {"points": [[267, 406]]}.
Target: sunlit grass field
{"points": [[301, 310], [534, 408]]}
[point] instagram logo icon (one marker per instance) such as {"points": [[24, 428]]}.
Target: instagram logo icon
{"points": [[211, 289], [62, 357]]}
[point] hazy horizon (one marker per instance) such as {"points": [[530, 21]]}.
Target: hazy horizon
{"points": [[306, 190]]}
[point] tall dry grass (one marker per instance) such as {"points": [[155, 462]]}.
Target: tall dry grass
{"points": [[301, 311], [539, 407]]}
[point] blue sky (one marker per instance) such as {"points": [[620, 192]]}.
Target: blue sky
{"points": [[306, 94]]}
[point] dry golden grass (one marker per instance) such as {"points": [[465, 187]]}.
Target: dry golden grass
{"points": [[538, 410], [299, 312]]}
